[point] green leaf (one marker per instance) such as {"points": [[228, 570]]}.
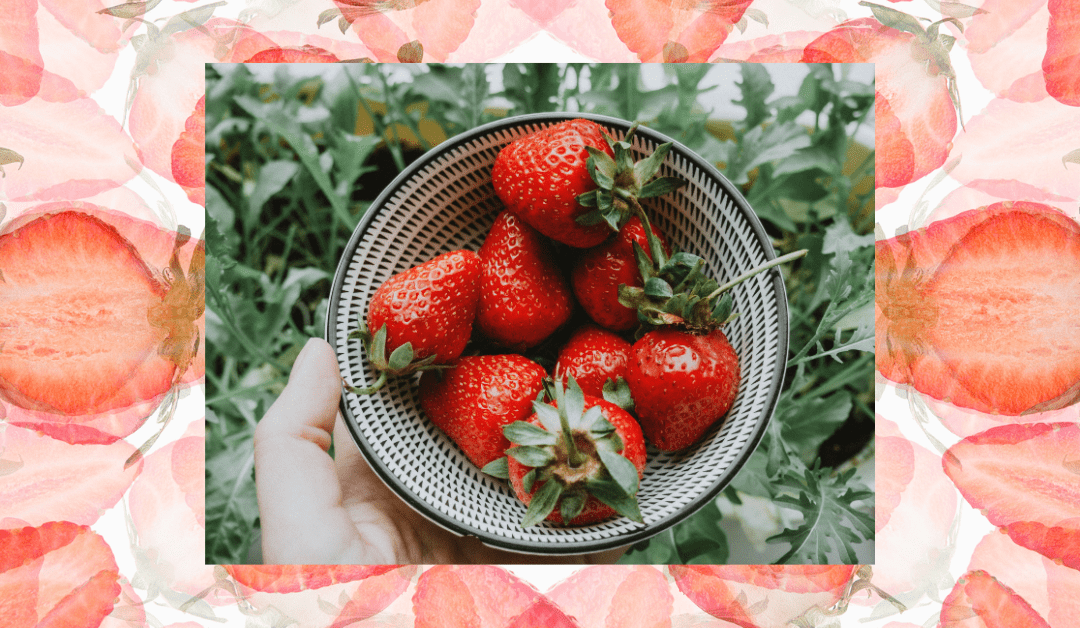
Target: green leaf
{"points": [[832, 521], [549, 416], [660, 187], [808, 422], [762, 145], [622, 470], [657, 287], [895, 19], [756, 86], [529, 479], [571, 505], [377, 350], [401, 358], [807, 159], [647, 168], [522, 433], [531, 456], [573, 404], [609, 492], [543, 503], [497, 468], [618, 393]]}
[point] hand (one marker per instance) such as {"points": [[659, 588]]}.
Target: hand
{"points": [[321, 510]]}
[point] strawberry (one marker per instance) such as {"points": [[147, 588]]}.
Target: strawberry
{"points": [[523, 295], [600, 271], [682, 383], [422, 318], [1059, 65], [87, 327], [675, 31], [976, 309], [293, 578], [473, 400], [592, 356], [979, 599], [578, 460], [551, 177]]}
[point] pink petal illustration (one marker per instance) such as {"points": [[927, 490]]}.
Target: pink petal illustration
{"points": [[58, 574], [894, 468], [63, 260], [586, 26], [761, 596], [439, 26], [779, 48], [45, 479], [79, 48], [1021, 146], [1024, 479], [505, 27], [970, 310], [615, 596], [1061, 65], [1006, 45], [915, 116], [979, 600], [543, 12], [59, 163]]}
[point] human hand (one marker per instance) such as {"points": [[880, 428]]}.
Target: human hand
{"points": [[316, 509]]}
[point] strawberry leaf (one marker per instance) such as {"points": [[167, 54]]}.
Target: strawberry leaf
{"points": [[608, 491], [542, 504], [497, 468], [522, 433], [400, 358], [617, 392], [657, 287], [647, 168], [660, 187], [548, 416], [621, 470], [531, 456], [571, 505]]}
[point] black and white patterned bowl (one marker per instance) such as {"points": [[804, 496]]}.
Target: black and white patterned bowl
{"points": [[445, 201]]}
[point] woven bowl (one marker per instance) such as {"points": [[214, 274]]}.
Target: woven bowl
{"points": [[445, 201]]}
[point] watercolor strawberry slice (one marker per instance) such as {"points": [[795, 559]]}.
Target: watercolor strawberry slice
{"points": [[673, 31], [1061, 64], [978, 600], [293, 578], [616, 595], [470, 596], [189, 155], [977, 309], [58, 574], [87, 327], [1024, 479]]}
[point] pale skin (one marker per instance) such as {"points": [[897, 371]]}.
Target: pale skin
{"points": [[321, 510]]}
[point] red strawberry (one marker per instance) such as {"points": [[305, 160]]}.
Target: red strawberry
{"points": [[979, 600], [551, 177], [673, 31], [473, 400], [293, 578], [87, 327], [976, 310], [682, 383], [578, 460], [422, 317], [523, 295], [302, 54], [189, 155], [592, 356], [600, 271], [1059, 65], [539, 177]]}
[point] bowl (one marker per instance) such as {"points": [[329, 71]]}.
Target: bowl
{"points": [[445, 201]]}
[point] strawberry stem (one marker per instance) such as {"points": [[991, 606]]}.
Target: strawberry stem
{"points": [[756, 270]]}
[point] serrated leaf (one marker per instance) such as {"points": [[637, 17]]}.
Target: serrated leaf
{"points": [[832, 524], [531, 456], [499, 468], [522, 433], [543, 503], [756, 86]]}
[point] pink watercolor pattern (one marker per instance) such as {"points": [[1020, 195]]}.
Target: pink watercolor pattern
{"points": [[963, 537]]}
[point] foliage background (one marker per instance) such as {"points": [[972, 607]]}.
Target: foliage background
{"points": [[295, 155]]}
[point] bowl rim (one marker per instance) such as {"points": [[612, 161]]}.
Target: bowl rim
{"points": [[559, 547]]}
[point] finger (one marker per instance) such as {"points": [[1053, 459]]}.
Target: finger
{"points": [[297, 485]]}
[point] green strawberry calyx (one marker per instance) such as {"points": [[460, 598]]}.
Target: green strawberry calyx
{"points": [[575, 452], [620, 181], [676, 290], [401, 361]]}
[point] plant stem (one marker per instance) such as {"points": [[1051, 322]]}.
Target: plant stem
{"points": [[754, 271]]}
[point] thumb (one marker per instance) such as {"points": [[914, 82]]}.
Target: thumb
{"points": [[298, 488]]}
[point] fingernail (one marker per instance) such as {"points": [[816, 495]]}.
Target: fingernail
{"points": [[302, 357]]}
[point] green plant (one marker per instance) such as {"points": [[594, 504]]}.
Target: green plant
{"points": [[289, 177]]}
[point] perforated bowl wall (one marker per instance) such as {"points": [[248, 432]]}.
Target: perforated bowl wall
{"points": [[445, 201]]}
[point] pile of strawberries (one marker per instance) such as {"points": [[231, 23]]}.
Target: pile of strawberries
{"points": [[572, 445]]}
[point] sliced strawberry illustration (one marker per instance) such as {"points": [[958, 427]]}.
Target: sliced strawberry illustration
{"points": [[21, 66], [88, 328], [979, 601], [760, 596], [58, 574], [915, 112], [470, 596], [303, 54], [973, 309], [1061, 65], [616, 595], [543, 613], [189, 155], [293, 578], [1024, 479], [675, 30]]}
